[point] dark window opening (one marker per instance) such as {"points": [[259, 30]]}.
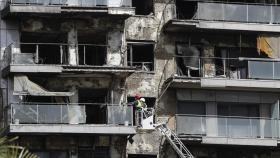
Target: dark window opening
{"points": [[92, 48], [219, 56], [186, 9], [189, 63], [141, 56], [238, 109], [141, 156], [93, 98], [51, 154], [97, 152], [45, 99], [227, 63], [191, 108], [47, 48], [143, 7]]}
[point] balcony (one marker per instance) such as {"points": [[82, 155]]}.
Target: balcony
{"points": [[232, 73], [59, 58], [69, 118], [226, 16], [228, 130], [64, 7]]}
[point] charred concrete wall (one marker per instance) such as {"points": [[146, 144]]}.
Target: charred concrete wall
{"points": [[148, 84], [149, 28]]}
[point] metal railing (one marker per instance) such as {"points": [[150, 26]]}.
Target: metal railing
{"points": [[226, 127], [78, 3], [55, 53], [231, 68], [52, 113], [247, 13]]}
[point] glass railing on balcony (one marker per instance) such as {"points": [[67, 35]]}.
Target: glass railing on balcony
{"points": [[232, 12], [78, 3], [226, 127], [48, 113], [231, 68], [56, 54]]}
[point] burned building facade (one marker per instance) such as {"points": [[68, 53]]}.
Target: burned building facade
{"points": [[210, 71]]}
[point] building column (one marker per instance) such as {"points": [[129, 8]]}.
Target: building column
{"points": [[264, 113], [115, 49], [208, 61], [211, 122], [72, 46]]}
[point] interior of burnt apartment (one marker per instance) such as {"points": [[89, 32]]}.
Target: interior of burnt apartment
{"points": [[218, 55], [143, 7], [141, 56], [53, 47], [92, 48], [187, 9], [89, 105]]}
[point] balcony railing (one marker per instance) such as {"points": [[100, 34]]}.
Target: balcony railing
{"points": [[56, 53], [231, 68], [247, 13], [78, 3], [226, 127], [48, 113]]}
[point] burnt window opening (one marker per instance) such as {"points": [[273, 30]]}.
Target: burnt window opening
{"points": [[205, 56], [143, 7], [45, 48], [92, 48], [141, 56], [93, 99], [186, 9], [188, 61]]}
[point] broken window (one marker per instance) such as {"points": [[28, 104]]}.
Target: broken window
{"points": [[92, 48], [94, 100], [188, 60], [141, 56], [209, 55], [46, 48], [143, 7], [186, 9]]}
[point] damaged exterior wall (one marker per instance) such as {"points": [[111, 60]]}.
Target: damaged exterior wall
{"points": [[149, 28], [115, 33], [106, 80]]}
